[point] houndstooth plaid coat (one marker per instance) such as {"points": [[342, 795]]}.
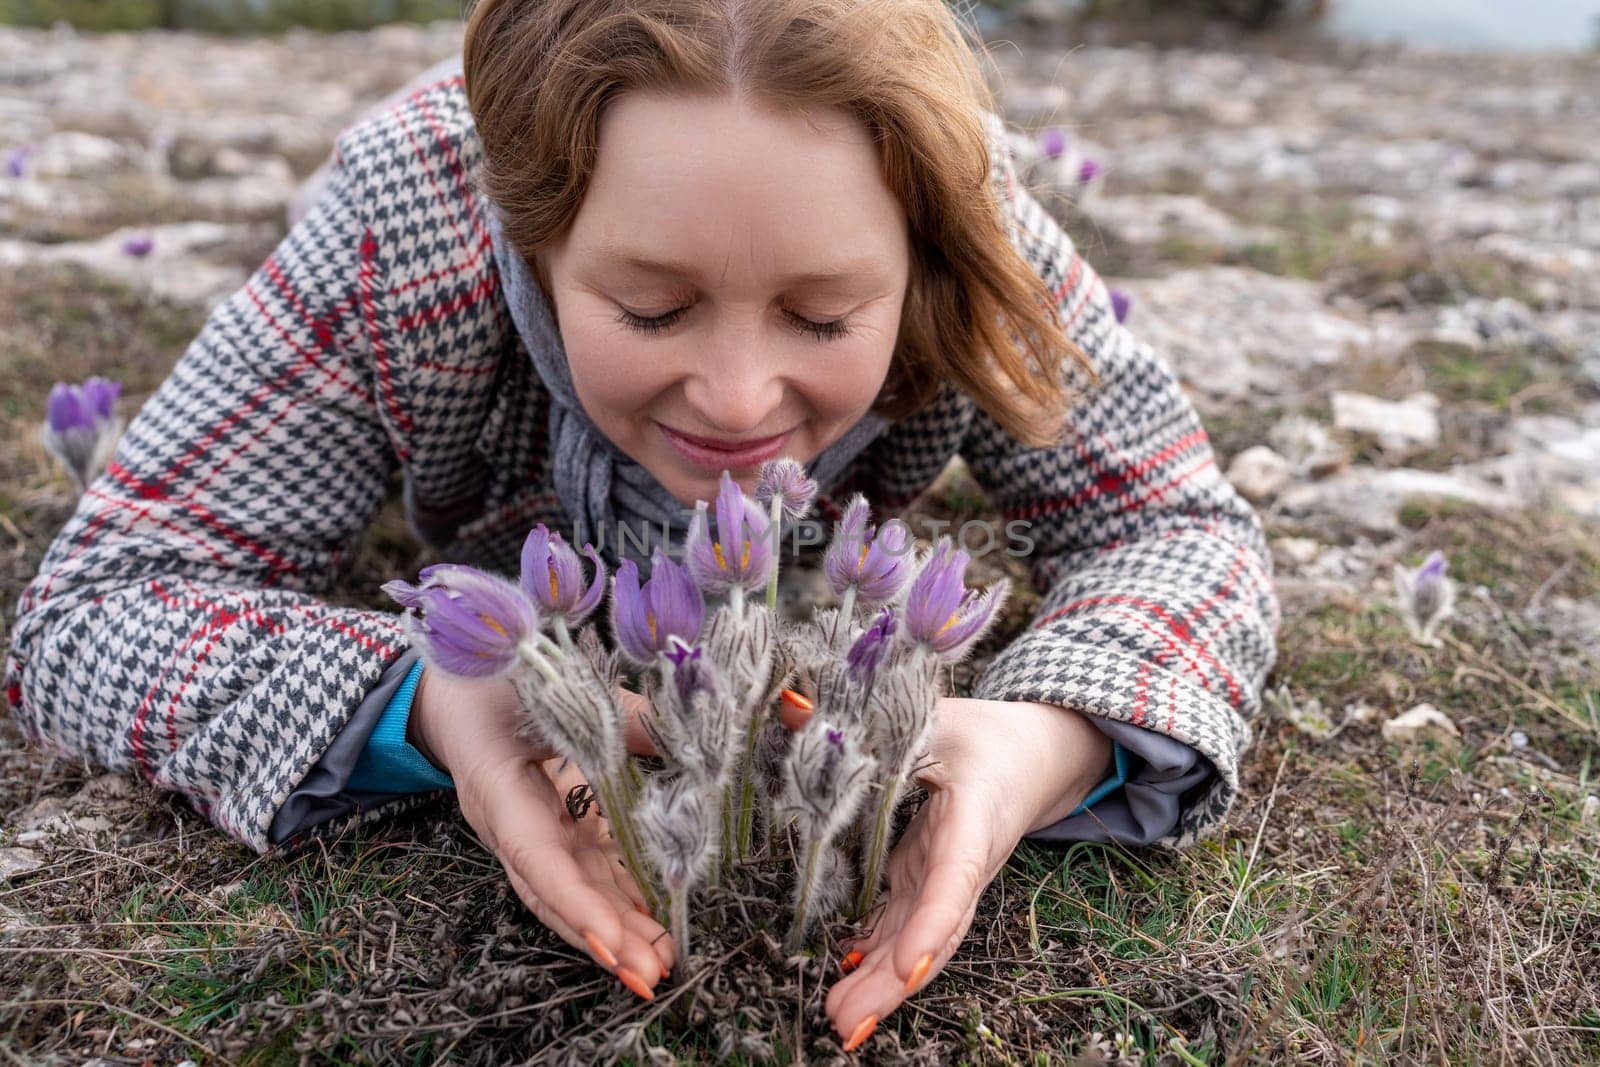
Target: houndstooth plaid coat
{"points": [[175, 626]]}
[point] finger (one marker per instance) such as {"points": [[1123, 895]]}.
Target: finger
{"points": [[922, 927], [538, 846], [957, 872], [635, 707]]}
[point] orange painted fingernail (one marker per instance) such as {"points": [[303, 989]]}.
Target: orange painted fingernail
{"points": [[852, 960], [794, 709], [863, 1031], [600, 951], [635, 983], [918, 973]]}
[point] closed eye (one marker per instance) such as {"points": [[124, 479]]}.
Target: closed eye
{"points": [[822, 331]]}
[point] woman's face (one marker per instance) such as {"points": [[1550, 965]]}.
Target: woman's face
{"points": [[730, 289]]}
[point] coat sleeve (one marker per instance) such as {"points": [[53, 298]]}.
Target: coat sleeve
{"points": [[174, 628], [1158, 614]]}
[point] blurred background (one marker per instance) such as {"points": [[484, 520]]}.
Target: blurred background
{"points": [[1366, 233]]}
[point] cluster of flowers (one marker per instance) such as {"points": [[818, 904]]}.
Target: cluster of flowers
{"points": [[750, 765]]}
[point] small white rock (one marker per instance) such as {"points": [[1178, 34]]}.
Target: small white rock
{"points": [[1394, 424], [15, 861], [1591, 810], [1259, 473]]}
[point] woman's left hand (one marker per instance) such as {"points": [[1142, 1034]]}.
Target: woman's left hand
{"points": [[996, 770]]}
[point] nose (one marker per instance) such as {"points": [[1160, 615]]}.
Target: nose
{"points": [[736, 383]]}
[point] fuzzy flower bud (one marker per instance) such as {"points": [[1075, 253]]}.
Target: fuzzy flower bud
{"points": [[785, 481], [825, 778]]}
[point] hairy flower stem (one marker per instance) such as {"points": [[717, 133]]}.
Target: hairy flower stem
{"points": [[777, 544], [563, 638], [804, 891], [616, 799], [841, 624], [678, 905], [747, 787], [877, 845]]}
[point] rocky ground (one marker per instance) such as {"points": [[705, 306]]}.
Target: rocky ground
{"points": [[1378, 273]]}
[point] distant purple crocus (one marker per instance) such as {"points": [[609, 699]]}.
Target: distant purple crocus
{"points": [[741, 553], [1121, 304], [870, 648], [785, 481], [875, 561], [17, 161], [139, 246], [940, 612], [645, 619], [552, 577], [1427, 596], [81, 426], [1052, 143], [471, 622], [1088, 171]]}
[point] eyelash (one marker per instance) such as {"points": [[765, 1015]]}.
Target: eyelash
{"points": [[822, 331]]}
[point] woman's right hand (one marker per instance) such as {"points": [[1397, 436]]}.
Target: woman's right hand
{"points": [[512, 792]]}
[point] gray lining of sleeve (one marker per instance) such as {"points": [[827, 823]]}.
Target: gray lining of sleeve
{"points": [[1147, 806], [321, 795]]}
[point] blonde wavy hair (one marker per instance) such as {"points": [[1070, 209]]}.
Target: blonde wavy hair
{"points": [[540, 72]]}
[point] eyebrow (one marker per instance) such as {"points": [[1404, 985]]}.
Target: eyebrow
{"points": [[848, 270]]}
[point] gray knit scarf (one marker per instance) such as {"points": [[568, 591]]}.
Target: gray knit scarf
{"points": [[598, 485]]}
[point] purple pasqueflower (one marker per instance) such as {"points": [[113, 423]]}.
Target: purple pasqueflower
{"points": [[1121, 304], [1088, 171], [874, 560], [471, 622], [869, 649], [552, 576], [80, 427], [1427, 596], [940, 612], [741, 554], [17, 160], [139, 246], [1052, 142], [644, 620], [785, 480]]}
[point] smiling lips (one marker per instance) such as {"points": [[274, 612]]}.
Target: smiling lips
{"points": [[714, 454]]}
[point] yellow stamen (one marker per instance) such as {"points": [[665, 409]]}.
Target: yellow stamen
{"points": [[744, 561], [491, 621], [722, 564], [954, 618], [862, 562], [555, 592]]}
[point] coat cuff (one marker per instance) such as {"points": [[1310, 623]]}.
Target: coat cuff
{"points": [[322, 795], [1182, 779], [1155, 772]]}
